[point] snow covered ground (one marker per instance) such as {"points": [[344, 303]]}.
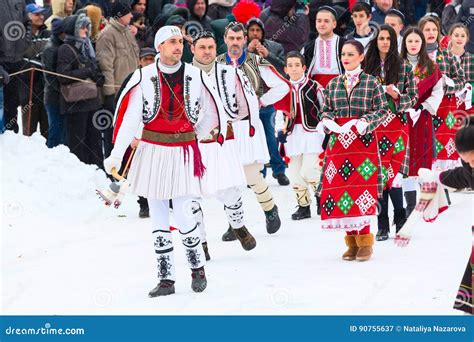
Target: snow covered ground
{"points": [[63, 252]]}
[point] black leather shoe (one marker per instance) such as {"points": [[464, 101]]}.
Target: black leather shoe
{"points": [[282, 179], [229, 235], [273, 220], [301, 213]]}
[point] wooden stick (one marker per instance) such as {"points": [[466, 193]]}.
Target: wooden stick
{"points": [[114, 171]]}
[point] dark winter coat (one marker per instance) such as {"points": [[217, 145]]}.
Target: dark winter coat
{"points": [[70, 64], [459, 178], [33, 54], [14, 23], [449, 15], [205, 21], [154, 8], [276, 54], [49, 59], [218, 11], [291, 32], [465, 16], [407, 7]]}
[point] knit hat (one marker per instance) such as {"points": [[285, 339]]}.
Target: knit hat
{"points": [[57, 26], [255, 21], [120, 9], [165, 33], [175, 20], [147, 51]]}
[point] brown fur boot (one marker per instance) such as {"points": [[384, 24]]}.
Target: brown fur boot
{"points": [[365, 243], [351, 252]]}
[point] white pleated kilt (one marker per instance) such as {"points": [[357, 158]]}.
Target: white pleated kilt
{"points": [[251, 149], [223, 167], [161, 172], [301, 141]]}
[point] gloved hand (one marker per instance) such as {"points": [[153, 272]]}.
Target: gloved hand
{"points": [[281, 137], [100, 80], [112, 162], [428, 180], [4, 77], [361, 126]]}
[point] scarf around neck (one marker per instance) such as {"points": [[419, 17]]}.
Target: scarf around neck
{"points": [[207, 68]]}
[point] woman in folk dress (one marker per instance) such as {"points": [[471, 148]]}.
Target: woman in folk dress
{"points": [[352, 179], [459, 35], [453, 77], [428, 79], [396, 77]]}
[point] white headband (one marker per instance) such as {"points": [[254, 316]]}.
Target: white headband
{"points": [[165, 33]]}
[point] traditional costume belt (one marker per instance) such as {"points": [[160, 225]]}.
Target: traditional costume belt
{"points": [[177, 138], [215, 133]]}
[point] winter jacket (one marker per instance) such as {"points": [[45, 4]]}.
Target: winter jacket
{"points": [[69, 64], [49, 59], [58, 11], [219, 9], [14, 23], [378, 15], [32, 58], [117, 54], [205, 21], [465, 16], [291, 32], [276, 54], [459, 178], [449, 15], [407, 7]]}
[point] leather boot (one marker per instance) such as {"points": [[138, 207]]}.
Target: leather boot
{"points": [[351, 252], [365, 243]]}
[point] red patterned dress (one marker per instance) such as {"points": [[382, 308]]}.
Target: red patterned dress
{"points": [[352, 179], [392, 134], [445, 120]]}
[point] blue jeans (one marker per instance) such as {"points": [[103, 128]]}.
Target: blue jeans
{"points": [[2, 119], [56, 126], [267, 115]]}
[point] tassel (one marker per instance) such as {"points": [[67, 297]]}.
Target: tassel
{"points": [[199, 167]]}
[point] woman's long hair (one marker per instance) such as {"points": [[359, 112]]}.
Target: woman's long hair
{"points": [[393, 61], [423, 59]]}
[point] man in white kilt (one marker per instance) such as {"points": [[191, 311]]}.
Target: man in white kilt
{"points": [[263, 86], [224, 177], [177, 105]]}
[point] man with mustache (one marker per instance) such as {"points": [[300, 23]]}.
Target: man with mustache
{"points": [[266, 87], [177, 105]]}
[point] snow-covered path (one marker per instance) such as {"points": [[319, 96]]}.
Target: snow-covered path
{"points": [[64, 253]]}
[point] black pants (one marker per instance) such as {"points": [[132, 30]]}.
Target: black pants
{"points": [[11, 96], [83, 139], [143, 202], [34, 117]]}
